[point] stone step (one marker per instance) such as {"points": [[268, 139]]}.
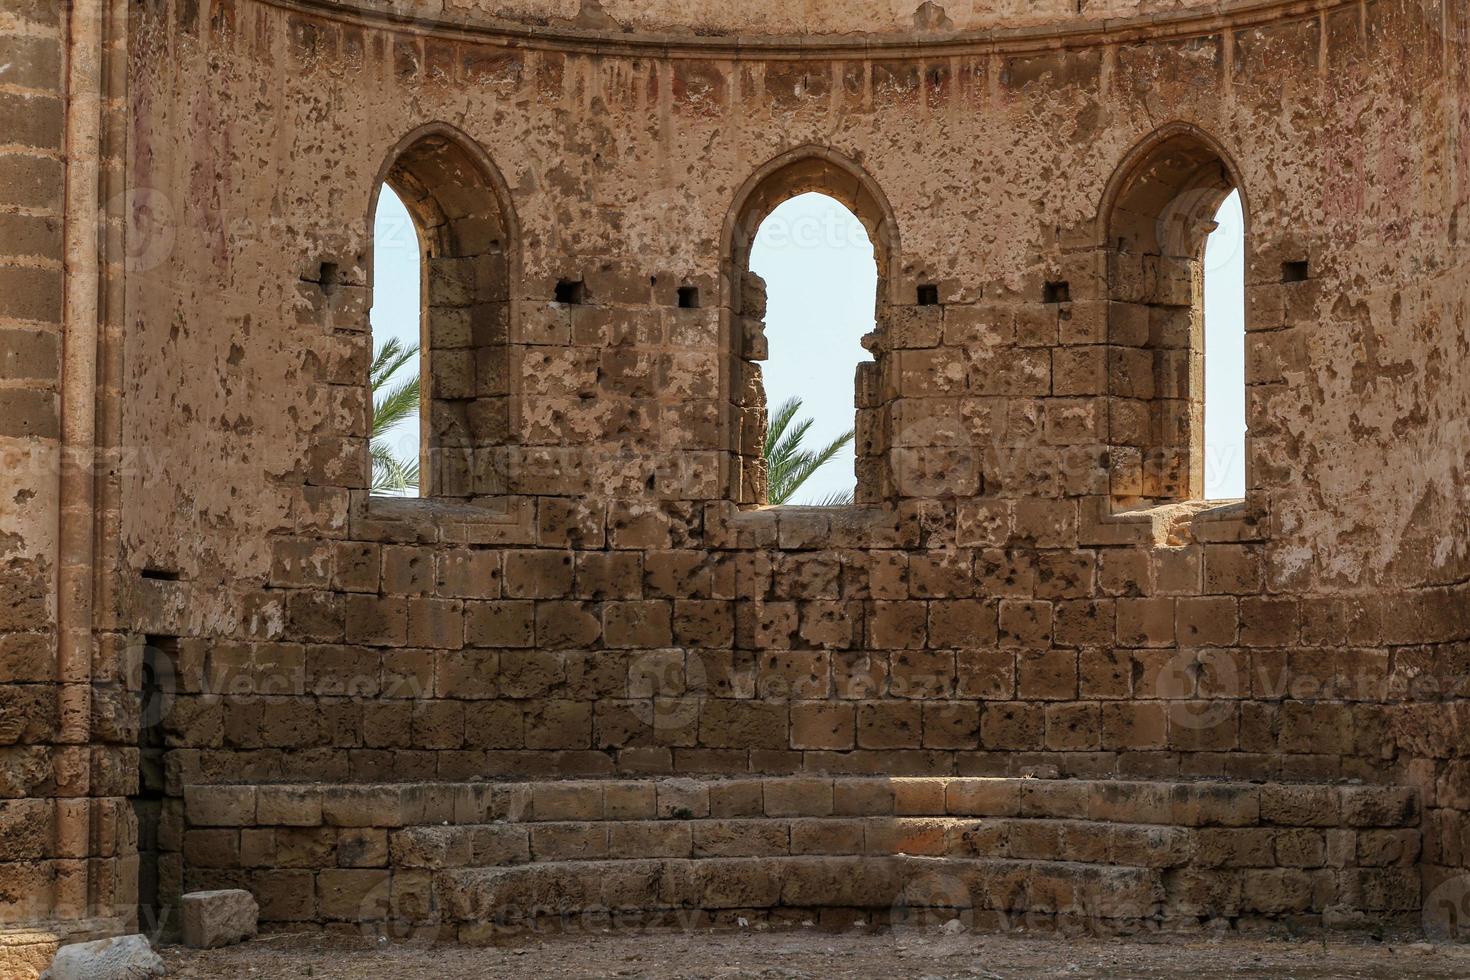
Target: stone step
{"points": [[1104, 855], [712, 884], [1177, 803], [892, 889], [1040, 838]]}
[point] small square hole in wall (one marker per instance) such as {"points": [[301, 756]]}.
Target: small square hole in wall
{"points": [[928, 294], [328, 277], [688, 297], [1056, 292], [1295, 271], [572, 291]]}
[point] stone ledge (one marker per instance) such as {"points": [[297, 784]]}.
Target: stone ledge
{"points": [[1030, 38], [1187, 803]]}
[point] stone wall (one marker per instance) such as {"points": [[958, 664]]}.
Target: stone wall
{"points": [[67, 862], [898, 20], [997, 531], [484, 861], [32, 186], [594, 592]]}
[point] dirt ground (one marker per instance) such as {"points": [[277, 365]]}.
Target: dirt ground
{"points": [[754, 955]]}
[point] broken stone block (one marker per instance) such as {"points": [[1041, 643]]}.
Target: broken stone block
{"points": [[118, 958], [218, 918]]}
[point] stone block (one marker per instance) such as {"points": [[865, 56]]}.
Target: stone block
{"points": [[27, 413], [1300, 806], [538, 574], [288, 806], [736, 798], [218, 918], [500, 624], [362, 806], [352, 894], [683, 799], [980, 797], [118, 958], [798, 797], [740, 838], [568, 801], [220, 806]]}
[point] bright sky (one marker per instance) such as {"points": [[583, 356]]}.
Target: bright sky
{"points": [[395, 310], [1225, 354], [821, 281]]}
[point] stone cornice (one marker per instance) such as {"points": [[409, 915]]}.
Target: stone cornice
{"points": [[1233, 15]]}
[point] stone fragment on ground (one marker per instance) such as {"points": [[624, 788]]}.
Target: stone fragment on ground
{"points": [[218, 918], [118, 958]]}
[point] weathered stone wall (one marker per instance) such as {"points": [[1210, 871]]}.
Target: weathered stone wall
{"points": [[621, 171], [897, 18], [32, 191], [66, 768], [604, 607]]}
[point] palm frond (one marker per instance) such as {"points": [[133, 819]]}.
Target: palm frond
{"points": [[788, 466], [390, 474], [398, 404], [785, 412], [842, 498], [390, 356]]}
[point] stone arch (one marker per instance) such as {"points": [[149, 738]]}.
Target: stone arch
{"points": [[469, 252], [1156, 215], [805, 169]]}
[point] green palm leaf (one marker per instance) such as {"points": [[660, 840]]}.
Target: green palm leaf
{"points": [[788, 466], [398, 403]]}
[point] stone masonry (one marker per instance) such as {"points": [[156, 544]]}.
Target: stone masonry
{"points": [[1029, 673]]}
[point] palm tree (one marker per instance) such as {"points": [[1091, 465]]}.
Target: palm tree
{"points": [[788, 466], [392, 405]]}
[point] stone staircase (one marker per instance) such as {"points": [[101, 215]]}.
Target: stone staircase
{"points": [[480, 861]]}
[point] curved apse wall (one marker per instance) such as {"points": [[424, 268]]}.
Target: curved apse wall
{"points": [[996, 603], [702, 18]]}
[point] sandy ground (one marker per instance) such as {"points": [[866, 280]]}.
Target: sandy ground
{"points": [[755, 955]]}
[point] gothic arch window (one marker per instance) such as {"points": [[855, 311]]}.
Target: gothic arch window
{"points": [[810, 170], [1163, 209], [467, 233]]}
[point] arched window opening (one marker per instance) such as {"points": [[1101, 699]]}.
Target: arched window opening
{"points": [[820, 277], [445, 280], [397, 323], [1175, 422], [799, 297], [1224, 434]]}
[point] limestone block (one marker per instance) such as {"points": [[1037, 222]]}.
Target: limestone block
{"points": [[218, 918], [119, 958]]}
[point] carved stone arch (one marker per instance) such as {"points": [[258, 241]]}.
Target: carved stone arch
{"points": [[805, 169], [1156, 214], [1170, 177], [469, 251]]}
